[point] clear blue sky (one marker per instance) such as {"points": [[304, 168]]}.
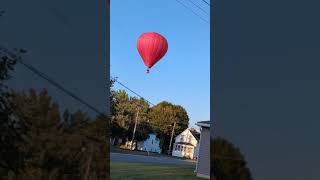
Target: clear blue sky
{"points": [[182, 77]]}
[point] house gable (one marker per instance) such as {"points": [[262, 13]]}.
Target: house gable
{"points": [[151, 144], [186, 137], [185, 145]]}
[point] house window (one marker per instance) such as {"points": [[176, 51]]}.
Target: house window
{"points": [[152, 141], [179, 148], [182, 138]]}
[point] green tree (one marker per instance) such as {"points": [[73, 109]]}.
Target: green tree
{"points": [[162, 118], [111, 97], [96, 164], [139, 109], [120, 114], [11, 131], [42, 147], [55, 148], [227, 162], [124, 113]]}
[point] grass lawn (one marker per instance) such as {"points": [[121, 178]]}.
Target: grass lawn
{"points": [[146, 171]]}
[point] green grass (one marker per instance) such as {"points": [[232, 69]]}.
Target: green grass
{"points": [[147, 171]]}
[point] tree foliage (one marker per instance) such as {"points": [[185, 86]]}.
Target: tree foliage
{"points": [[57, 146], [125, 111], [162, 118], [38, 142], [120, 114], [227, 162], [11, 130]]}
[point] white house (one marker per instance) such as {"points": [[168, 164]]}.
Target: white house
{"points": [[186, 144], [152, 144]]}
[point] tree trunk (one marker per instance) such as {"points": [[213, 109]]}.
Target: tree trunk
{"points": [[89, 163]]}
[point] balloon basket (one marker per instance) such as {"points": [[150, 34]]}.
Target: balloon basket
{"points": [[148, 71]]}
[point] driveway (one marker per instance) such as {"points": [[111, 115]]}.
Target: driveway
{"points": [[149, 159]]}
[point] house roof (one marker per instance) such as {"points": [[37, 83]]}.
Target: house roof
{"points": [[184, 143], [195, 134], [203, 123]]}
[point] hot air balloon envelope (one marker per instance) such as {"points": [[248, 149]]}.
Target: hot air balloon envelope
{"points": [[152, 47]]}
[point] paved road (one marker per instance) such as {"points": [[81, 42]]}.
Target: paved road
{"points": [[149, 159]]}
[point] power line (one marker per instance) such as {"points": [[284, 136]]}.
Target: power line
{"points": [[192, 11], [57, 85], [116, 80], [50, 80], [206, 2], [198, 7]]}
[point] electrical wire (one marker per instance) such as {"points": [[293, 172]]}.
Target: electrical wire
{"points": [[116, 80], [206, 2], [57, 85], [192, 11], [50, 80], [198, 7]]}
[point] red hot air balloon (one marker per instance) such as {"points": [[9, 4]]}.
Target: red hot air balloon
{"points": [[151, 47]]}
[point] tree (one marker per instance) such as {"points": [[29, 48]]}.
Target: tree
{"points": [[143, 131], [227, 162], [11, 130], [120, 114], [96, 135], [55, 148], [111, 97], [139, 110], [41, 149], [158, 119], [162, 117], [124, 113]]}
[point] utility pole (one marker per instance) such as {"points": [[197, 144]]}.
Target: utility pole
{"points": [[89, 162], [174, 125], [135, 126]]}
